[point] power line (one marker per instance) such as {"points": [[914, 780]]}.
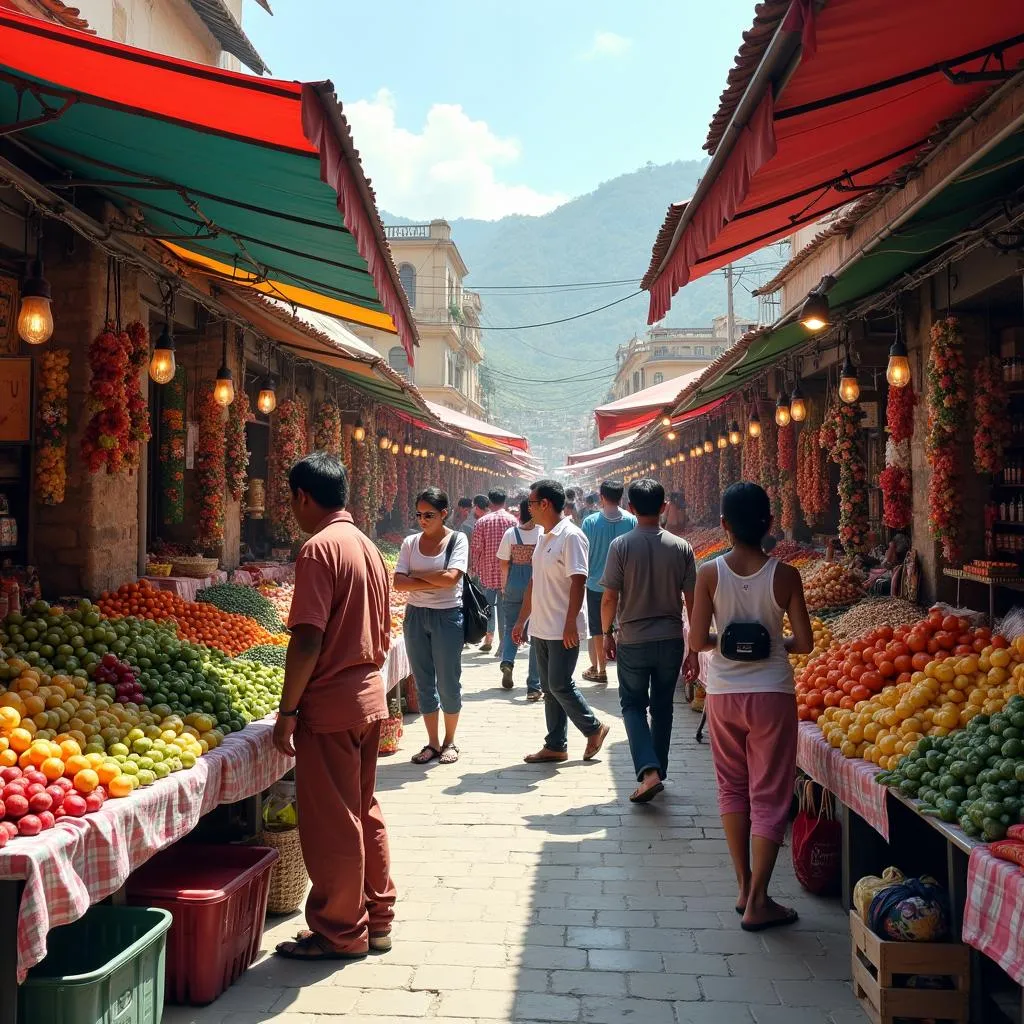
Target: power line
{"points": [[566, 319]]}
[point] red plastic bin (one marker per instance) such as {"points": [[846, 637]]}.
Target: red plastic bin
{"points": [[217, 896]]}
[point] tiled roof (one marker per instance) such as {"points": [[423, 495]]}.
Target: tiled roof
{"points": [[53, 10], [663, 243]]}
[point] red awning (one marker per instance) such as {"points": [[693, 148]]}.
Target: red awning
{"points": [[874, 82], [636, 410], [618, 445], [472, 426]]}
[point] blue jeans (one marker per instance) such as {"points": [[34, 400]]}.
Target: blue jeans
{"points": [[648, 673], [562, 697], [512, 607], [494, 616], [433, 641]]}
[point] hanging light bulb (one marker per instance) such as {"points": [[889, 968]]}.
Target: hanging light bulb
{"points": [[815, 314], [666, 421], [224, 385], [415, 453], [266, 400], [359, 431], [797, 404], [407, 448], [395, 447], [670, 436], [723, 440], [897, 373], [782, 414], [754, 424], [666, 463], [709, 444], [35, 318], [681, 457], [442, 457], [849, 388], [385, 442], [162, 365], [735, 435], [424, 453], [654, 466]]}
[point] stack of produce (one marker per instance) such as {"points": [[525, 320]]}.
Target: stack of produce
{"points": [[871, 613], [193, 620], [974, 778], [398, 602], [247, 601], [830, 585], [796, 554], [280, 596], [822, 642], [707, 543], [265, 654]]}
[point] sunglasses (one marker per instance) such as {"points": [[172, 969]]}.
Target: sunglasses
{"points": [[427, 515]]}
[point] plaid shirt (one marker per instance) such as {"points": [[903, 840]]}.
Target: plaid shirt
{"points": [[483, 546]]}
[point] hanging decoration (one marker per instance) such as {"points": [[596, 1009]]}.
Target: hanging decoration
{"points": [[844, 429], [287, 446], [991, 416], [236, 453], [390, 481], [327, 428], [137, 392], [769, 466], [359, 480], [211, 476], [107, 436], [172, 450], [52, 427], [947, 410], [895, 480], [728, 467], [811, 472], [786, 459]]}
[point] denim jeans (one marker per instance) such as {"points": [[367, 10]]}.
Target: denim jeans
{"points": [[509, 647], [648, 673], [494, 617], [433, 641], [562, 697]]}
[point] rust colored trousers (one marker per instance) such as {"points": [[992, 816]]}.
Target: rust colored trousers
{"points": [[343, 835]]}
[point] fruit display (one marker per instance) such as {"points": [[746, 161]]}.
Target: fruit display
{"points": [[193, 620], [398, 603], [247, 601], [280, 596], [830, 584], [873, 612], [796, 554], [974, 777], [707, 543], [822, 642], [265, 654]]}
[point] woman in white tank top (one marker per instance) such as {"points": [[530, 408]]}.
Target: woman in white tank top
{"points": [[751, 704]]}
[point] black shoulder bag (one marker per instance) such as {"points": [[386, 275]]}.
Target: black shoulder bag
{"points": [[475, 608]]}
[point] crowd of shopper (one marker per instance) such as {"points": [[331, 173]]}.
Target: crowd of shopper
{"points": [[561, 571]]}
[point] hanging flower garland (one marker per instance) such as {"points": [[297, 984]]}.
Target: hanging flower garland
{"points": [[107, 435], [359, 483], [52, 427], [287, 446], [769, 466], [752, 451], [172, 449], [327, 428], [811, 472], [390, 481], [728, 467], [786, 458], [894, 480], [947, 409], [210, 470], [991, 416], [138, 404], [236, 455], [844, 428]]}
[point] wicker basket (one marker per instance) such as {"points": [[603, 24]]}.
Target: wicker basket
{"points": [[194, 567], [288, 878], [159, 569]]}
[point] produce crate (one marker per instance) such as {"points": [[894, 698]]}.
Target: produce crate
{"points": [[105, 968], [881, 969], [217, 896]]}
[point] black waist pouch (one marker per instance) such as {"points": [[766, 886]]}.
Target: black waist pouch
{"points": [[745, 641]]}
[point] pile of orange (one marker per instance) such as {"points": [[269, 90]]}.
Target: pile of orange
{"points": [[195, 621]]}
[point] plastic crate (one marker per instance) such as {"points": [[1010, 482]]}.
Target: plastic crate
{"points": [[217, 896], [105, 968]]}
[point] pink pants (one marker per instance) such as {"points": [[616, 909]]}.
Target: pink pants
{"points": [[753, 742]]}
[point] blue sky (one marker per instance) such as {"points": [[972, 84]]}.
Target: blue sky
{"points": [[484, 109]]}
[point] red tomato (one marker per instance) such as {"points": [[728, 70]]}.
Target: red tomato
{"points": [[832, 698], [983, 631], [917, 641], [903, 663], [945, 640], [847, 702], [815, 699], [999, 641], [887, 670], [857, 671], [903, 677], [935, 618], [933, 645], [951, 624], [963, 649], [979, 645], [873, 681], [859, 693], [898, 649], [919, 662]]}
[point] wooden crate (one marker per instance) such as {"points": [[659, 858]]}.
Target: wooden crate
{"points": [[876, 964]]}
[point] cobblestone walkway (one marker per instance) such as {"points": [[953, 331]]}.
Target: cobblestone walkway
{"points": [[538, 893]]}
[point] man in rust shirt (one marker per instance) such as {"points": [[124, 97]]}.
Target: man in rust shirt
{"points": [[330, 716]]}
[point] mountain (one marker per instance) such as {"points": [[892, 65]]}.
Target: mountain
{"points": [[546, 380]]}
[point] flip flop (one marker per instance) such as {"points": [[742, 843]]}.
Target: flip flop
{"points": [[779, 922], [544, 756], [648, 794], [310, 946], [432, 753]]}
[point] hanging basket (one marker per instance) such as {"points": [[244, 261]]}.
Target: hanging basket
{"points": [[288, 877]]}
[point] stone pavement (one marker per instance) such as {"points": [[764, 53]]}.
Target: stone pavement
{"points": [[539, 893]]}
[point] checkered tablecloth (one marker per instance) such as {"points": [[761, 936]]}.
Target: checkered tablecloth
{"points": [[850, 779], [83, 860], [994, 911]]}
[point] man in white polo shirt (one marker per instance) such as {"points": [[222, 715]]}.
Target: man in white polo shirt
{"points": [[553, 606]]}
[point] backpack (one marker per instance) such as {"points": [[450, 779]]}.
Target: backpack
{"points": [[475, 608]]}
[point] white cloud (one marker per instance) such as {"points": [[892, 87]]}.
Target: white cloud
{"points": [[447, 169], [607, 44]]}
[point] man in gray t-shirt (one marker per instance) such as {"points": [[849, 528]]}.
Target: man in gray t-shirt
{"points": [[648, 577]]}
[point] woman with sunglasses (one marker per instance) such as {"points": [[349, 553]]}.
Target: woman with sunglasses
{"points": [[430, 568]]}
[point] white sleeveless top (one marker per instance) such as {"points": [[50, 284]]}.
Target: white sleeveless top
{"points": [[749, 599]]}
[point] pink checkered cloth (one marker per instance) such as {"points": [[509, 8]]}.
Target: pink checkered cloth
{"points": [[852, 780], [994, 912]]}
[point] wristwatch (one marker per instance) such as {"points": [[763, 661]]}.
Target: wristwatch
{"points": [[288, 714]]}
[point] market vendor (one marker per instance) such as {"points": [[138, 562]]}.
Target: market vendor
{"points": [[879, 581], [332, 706]]}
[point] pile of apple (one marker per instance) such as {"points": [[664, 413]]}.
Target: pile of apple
{"points": [[31, 801]]}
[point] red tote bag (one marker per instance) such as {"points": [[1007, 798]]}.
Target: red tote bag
{"points": [[817, 843]]}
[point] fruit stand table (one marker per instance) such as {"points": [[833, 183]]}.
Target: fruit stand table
{"points": [[53, 878], [187, 587]]}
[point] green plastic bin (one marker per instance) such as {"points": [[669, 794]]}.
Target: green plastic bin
{"points": [[105, 968]]}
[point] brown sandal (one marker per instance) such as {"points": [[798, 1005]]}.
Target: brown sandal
{"points": [[311, 946], [426, 755], [544, 755]]}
